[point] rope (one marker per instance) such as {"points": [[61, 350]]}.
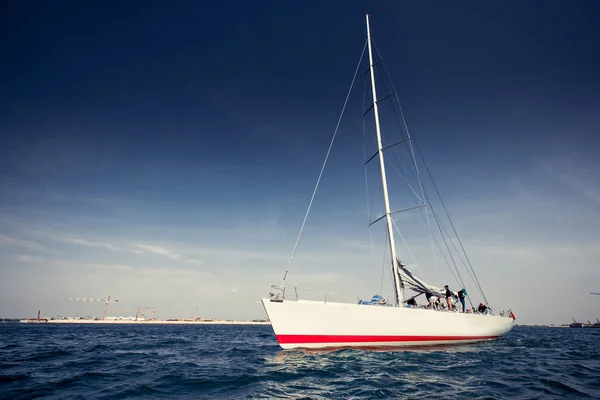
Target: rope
{"points": [[453, 228], [367, 182], [441, 228], [324, 163]]}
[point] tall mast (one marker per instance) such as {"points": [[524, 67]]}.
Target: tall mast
{"points": [[386, 201]]}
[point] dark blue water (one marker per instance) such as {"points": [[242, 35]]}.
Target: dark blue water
{"points": [[228, 361]]}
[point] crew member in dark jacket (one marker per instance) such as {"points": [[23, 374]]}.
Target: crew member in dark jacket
{"points": [[449, 294]]}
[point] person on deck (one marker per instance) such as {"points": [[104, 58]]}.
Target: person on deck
{"points": [[461, 297], [449, 296], [482, 308], [430, 299]]}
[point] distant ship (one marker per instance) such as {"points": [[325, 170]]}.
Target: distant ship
{"points": [[589, 324], [593, 324], [575, 324]]}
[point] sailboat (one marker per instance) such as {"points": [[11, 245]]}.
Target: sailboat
{"points": [[299, 323]]}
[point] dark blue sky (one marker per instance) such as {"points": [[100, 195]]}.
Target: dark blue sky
{"points": [[153, 116], [191, 80], [138, 95]]}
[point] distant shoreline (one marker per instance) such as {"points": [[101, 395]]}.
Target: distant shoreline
{"points": [[140, 322]]}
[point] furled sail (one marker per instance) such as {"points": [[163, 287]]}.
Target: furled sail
{"points": [[417, 284]]}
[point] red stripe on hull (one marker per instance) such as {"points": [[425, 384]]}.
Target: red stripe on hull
{"points": [[293, 339]]}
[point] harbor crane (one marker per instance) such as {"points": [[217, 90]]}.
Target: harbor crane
{"points": [[106, 301]]}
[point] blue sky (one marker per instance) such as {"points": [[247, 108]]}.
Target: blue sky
{"points": [[165, 153]]}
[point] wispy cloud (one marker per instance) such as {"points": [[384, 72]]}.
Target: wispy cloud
{"points": [[147, 248], [89, 243], [575, 172], [28, 244], [161, 251], [25, 258], [354, 244], [534, 252], [135, 249], [584, 182]]}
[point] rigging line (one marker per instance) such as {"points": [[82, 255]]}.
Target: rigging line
{"points": [[407, 247], [472, 272], [441, 225], [421, 201], [385, 78], [443, 231], [435, 264], [425, 218], [443, 255], [364, 130], [405, 181], [418, 174], [395, 93], [387, 260], [434, 239], [386, 74], [398, 164], [325, 162], [418, 265], [458, 254], [441, 251], [445, 236], [388, 83], [437, 220], [383, 263]]}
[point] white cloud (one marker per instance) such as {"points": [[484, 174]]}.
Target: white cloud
{"points": [[574, 172], [25, 258], [11, 241], [89, 243], [135, 249], [158, 250]]}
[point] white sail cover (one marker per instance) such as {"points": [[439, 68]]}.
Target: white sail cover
{"points": [[412, 282]]}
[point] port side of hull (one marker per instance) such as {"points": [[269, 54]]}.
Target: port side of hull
{"points": [[313, 324]]}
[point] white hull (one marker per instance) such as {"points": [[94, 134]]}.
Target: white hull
{"points": [[316, 324]]}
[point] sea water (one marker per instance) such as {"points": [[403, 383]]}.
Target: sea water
{"points": [[233, 361]]}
